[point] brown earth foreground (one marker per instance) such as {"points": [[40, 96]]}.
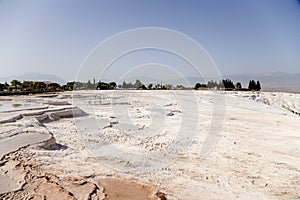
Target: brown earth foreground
{"points": [[35, 184]]}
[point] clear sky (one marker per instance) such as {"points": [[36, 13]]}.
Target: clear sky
{"points": [[55, 36]]}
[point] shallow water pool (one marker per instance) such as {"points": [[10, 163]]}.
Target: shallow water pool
{"points": [[19, 106]]}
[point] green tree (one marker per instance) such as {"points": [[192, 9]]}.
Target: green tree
{"points": [[15, 83], [124, 85], [158, 86], [228, 84], [150, 86], [39, 86], [70, 85], [197, 86], [113, 85], [2, 87], [144, 87], [26, 85], [238, 85], [213, 84], [89, 85], [258, 87], [138, 84], [106, 86], [252, 85], [6, 85], [168, 86]]}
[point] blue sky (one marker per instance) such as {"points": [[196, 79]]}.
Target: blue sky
{"points": [[54, 37]]}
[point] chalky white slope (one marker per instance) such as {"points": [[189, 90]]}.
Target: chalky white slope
{"points": [[188, 144]]}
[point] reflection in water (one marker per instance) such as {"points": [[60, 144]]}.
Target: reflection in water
{"points": [[18, 106]]}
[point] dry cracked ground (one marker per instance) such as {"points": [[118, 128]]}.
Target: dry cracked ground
{"points": [[150, 145]]}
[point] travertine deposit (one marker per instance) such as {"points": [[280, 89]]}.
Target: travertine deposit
{"points": [[150, 145]]}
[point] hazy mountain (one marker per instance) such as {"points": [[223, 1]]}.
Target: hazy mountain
{"points": [[34, 77], [186, 81], [276, 81]]}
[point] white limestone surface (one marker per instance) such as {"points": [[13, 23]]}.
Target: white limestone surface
{"points": [[188, 144]]}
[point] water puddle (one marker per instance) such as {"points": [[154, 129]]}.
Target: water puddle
{"points": [[20, 106]]}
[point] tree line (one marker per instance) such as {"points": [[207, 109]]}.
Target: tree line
{"points": [[139, 85], [228, 84], [39, 86]]}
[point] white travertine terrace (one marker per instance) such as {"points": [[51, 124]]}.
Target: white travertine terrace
{"points": [[131, 135]]}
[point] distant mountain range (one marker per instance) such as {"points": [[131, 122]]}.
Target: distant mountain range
{"points": [[34, 77], [277, 81]]}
